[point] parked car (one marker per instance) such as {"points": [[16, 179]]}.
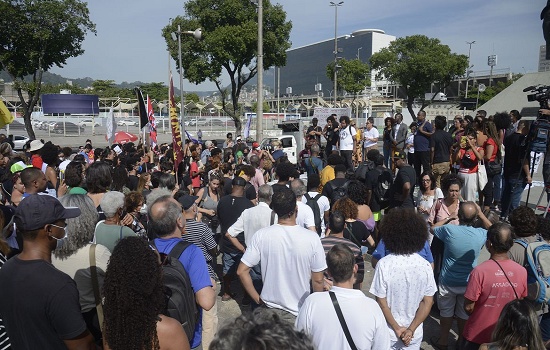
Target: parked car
{"points": [[198, 121], [88, 122], [127, 122], [19, 142], [68, 126]]}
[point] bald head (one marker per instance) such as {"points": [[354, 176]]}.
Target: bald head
{"points": [[298, 187], [165, 217], [467, 213], [255, 161], [500, 238]]}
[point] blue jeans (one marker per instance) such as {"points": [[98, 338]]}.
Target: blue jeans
{"points": [[511, 195], [497, 187], [386, 149]]}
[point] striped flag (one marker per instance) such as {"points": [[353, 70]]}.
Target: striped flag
{"points": [[176, 132], [152, 123]]}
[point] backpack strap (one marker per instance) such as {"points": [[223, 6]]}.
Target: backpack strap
{"points": [[505, 275], [342, 320], [317, 197], [272, 221], [308, 197], [178, 249]]}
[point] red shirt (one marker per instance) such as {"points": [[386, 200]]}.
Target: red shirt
{"points": [[195, 180], [491, 291], [468, 154], [37, 161], [492, 142]]}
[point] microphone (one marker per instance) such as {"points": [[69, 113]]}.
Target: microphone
{"points": [[529, 88]]}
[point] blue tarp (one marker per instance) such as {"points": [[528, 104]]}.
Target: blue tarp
{"points": [[70, 104]]}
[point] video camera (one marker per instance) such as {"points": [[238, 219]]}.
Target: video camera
{"points": [[540, 93]]}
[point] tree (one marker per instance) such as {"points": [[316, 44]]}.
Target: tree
{"points": [[415, 63], [229, 44], [36, 35], [156, 91], [490, 91], [255, 107], [192, 97], [353, 76]]}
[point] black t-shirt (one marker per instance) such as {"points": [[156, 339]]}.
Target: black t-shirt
{"points": [[39, 305], [227, 186], [371, 182], [404, 175], [332, 137], [514, 155], [278, 187], [328, 187], [441, 141], [229, 209], [356, 232]]}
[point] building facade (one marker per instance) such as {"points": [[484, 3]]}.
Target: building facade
{"points": [[544, 64]]}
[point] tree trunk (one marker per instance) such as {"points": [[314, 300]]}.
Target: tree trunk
{"points": [[28, 124], [410, 102]]}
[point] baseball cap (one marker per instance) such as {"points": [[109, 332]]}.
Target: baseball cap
{"points": [[400, 155], [37, 210], [238, 138], [255, 145], [238, 181], [187, 201]]}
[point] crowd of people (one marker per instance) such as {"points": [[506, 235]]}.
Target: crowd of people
{"points": [[104, 247]]}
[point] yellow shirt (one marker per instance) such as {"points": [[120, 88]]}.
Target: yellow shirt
{"points": [[326, 175]]}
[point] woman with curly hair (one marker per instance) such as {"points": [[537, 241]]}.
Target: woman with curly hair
{"points": [[357, 192], [403, 281], [354, 230], [133, 203], [428, 194], [134, 300], [74, 178], [517, 328], [73, 257], [468, 156]]}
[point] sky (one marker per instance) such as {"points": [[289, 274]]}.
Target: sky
{"points": [[129, 46]]}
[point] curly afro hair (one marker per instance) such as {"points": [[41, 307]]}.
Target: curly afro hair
{"points": [[357, 192], [403, 239], [524, 221], [347, 207], [134, 296], [50, 154]]}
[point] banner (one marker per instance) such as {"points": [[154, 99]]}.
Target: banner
{"points": [[247, 124], [5, 115], [142, 111], [176, 132], [152, 123], [111, 126]]}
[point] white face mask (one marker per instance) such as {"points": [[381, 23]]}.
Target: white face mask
{"points": [[60, 241]]}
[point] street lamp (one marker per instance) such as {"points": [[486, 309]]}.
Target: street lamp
{"points": [[470, 43], [260, 70], [359, 49], [336, 5], [197, 34]]}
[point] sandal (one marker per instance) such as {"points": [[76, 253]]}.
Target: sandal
{"points": [[435, 343]]}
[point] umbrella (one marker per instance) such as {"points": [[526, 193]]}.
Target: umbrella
{"points": [[123, 137]]}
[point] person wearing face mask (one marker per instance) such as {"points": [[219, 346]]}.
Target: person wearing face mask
{"points": [[109, 231], [73, 257], [134, 203], [46, 300]]}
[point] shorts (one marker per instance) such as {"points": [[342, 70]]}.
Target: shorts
{"points": [[231, 263], [450, 301]]}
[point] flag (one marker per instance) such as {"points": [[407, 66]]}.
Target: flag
{"points": [[152, 123], [111, 126], [143, 120], [176, 132], [5, 115], [247, 126]]}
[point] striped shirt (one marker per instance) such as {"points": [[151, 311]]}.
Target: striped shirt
{"points": [[330, 241], [201, 235]]}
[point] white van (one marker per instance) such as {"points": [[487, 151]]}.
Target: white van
{"points": [[290, 147]]}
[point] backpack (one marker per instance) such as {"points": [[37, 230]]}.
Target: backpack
{"points": [[338, 192], [363, 169], [537, 264], [382, 190], [312, 203], [538, 135], [180, 297]]}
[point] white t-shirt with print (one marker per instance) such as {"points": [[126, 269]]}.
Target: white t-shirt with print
{"points": [[403, 280], [369, 134], [288, 256], [347, 138]]}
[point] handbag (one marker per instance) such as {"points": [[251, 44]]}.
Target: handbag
{"points": [[493, 168], [481, 175], [342, 320]]}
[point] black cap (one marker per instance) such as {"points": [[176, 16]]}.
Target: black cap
{"points": [[400, 154], [238, 181], [38, 210], [187, 201]]}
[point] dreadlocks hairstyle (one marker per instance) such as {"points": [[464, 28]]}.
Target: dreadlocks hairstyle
{"points": [[134, 297]]}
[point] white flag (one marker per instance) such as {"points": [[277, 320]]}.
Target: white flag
{"points": [[111, 127]]}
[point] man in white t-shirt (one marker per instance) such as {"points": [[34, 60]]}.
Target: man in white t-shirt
{"points": [[403, 282], [363, 316], [370, 137], [313, 182], [290, 257], [305, 216], [346, 142]]}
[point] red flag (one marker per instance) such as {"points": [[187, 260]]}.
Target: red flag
{"points": [[152, 123], [176, 132]]}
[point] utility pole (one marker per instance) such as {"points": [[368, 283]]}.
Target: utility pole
{"points": [[470, 43], [336, 5], [260, 65]]}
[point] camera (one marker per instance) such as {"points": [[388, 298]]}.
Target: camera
{"points": [[540, 93]]}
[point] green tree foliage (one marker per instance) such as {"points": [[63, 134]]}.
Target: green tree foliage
{"points": [[353, 75], [156, 91], [229, 44], [255, 107], [415, 62], [490, 91], [191, 97], [35, 36]]}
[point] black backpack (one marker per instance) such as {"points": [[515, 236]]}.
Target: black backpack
{"points": [[180, 297], [382, 189], [312, 203], [363, 169], [338, 192]]}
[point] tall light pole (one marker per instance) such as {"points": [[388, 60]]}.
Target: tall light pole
{"points": [[197, 34], [336, 5], [470, 43], [260, 68], [359, 49]]}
